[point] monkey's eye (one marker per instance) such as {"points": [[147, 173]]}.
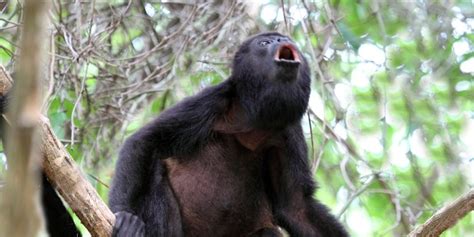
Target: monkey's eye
{"points": [[264, 42]]}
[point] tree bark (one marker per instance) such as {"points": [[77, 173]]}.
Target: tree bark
{"points": [[67, 178], [446, 217]]}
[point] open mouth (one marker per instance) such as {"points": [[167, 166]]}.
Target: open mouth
{"points": [[287, 53]]}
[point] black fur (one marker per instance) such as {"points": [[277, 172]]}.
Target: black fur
{"points": [[58, 221], [187, 174]]}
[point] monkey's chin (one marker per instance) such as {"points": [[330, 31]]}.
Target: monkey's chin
{"points": [[287, 72]]}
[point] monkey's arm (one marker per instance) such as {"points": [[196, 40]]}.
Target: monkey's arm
{"points": [[177, 131], [293, 188]]}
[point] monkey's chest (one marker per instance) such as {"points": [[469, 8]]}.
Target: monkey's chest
{"points": [[220, 190]]}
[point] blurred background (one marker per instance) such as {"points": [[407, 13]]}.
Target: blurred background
{"points": [[390, 125]]}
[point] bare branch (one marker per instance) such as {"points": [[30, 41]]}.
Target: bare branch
{"points": [[446, 217]]}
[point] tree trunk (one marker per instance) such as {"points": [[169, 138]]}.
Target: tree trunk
{"points": [[19, 206]]}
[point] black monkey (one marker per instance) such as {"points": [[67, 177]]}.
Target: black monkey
{"points": [[58, 221], [229, 161]]}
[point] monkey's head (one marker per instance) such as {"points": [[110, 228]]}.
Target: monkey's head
{"points": [[272, 80]]}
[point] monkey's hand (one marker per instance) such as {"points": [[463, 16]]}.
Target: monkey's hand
{"points": [[128, 225]]}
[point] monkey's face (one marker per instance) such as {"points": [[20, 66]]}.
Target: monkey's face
{"points": [[270, 56], [272, 80]]}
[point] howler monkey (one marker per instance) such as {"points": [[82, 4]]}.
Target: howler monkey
{"points": [[229, 161]]}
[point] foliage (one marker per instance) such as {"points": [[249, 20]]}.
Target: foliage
{"points": [[390, 123]]}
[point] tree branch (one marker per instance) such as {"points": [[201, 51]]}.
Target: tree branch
{"points": [[446, 217], [67, 178]]}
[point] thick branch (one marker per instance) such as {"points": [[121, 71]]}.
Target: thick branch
{"points": [[446, 217], [67, 178]]}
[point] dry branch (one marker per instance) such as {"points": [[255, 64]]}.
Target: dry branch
{"points": [[67, 178], [446, 217]]}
